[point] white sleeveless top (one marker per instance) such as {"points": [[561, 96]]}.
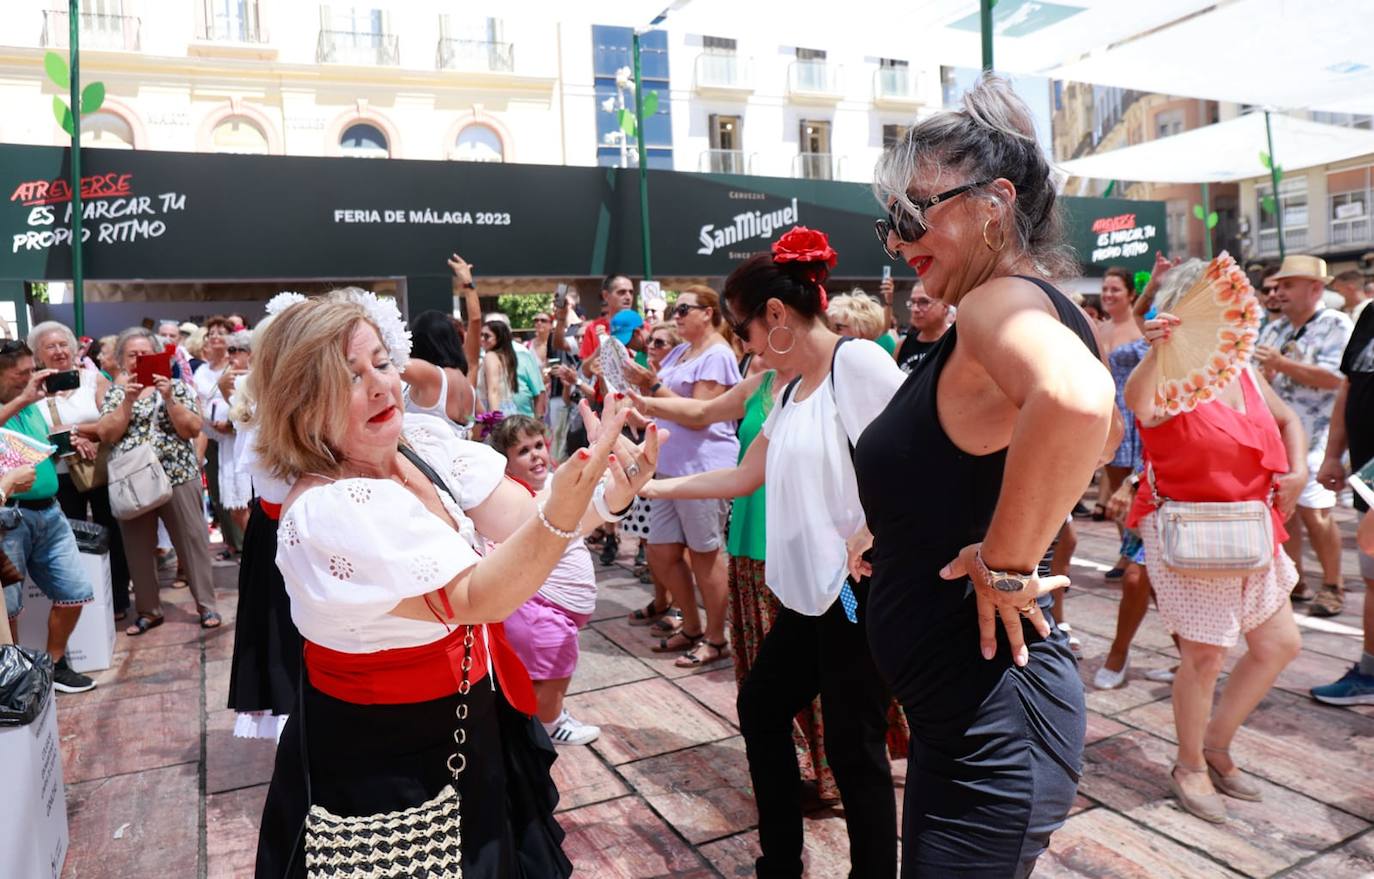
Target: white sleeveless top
{"points": [[351, 550], [811, 491], [440, 408]]}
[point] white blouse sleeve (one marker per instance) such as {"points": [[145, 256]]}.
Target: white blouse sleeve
{"points": [[866, 377], [473, 470], [362, 542]]}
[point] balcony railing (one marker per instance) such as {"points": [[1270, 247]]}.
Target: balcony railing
{"points": [[894, 85], [723, 72], [476, 55], [242, 28], [97, 31], [366, 48], [814, 166], [723, 162], [1294, 239], [1355, 226], [813, 79]]}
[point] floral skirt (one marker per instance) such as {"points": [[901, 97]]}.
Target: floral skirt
{"points": [[753, 609]]}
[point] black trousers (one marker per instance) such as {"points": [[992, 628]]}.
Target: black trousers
{"points": [[800, 657], [74, 505]]}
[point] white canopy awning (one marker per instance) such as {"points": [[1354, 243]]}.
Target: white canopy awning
{"points": [[1285, 54], [1226, 152]]}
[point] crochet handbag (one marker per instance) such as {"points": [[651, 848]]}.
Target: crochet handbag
{"points": [[1213, 539]]}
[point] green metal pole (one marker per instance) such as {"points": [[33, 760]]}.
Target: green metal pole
{"points": [[643, 165], [78, 295], [1206, 212], [985, 26], [1274, 181]]}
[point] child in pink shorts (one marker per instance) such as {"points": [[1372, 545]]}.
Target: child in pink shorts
{"points": [[543, 631]]}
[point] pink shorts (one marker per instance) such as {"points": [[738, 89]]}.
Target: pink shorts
{"points": [[544, 636]]}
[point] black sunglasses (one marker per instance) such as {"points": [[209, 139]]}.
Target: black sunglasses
{"points": [[683, 308], [907, 226], [232, 350], [741, 327], [659, 343]]}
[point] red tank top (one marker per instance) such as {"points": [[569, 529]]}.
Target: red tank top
{"points": [[1215, 453]]}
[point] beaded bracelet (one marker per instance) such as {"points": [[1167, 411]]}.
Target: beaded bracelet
{"points": [[557, 532]]}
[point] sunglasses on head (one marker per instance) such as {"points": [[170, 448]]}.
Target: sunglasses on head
{"points": [[909, 227], [682, 309]]}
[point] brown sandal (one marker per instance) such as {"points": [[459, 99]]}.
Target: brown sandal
{"points": [[677, 642], [697, 657]]}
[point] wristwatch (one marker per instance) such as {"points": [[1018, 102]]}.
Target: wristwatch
{"points": [[469, 286], [1003, 581]]}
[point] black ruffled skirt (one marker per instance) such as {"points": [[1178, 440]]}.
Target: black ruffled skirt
{"points": [[366, 759], [267, 647]]}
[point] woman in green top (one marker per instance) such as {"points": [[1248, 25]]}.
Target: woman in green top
{"points": [[507, 381], [753, 606]]}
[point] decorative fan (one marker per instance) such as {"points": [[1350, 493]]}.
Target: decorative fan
{"points": [[613, 355], [1219, 320], [19, 450]]}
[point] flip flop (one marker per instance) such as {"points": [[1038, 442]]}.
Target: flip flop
{"points": [[143, 623], [210, 620]]}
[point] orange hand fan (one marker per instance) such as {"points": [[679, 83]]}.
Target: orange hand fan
{"points": [[1219, 319]]}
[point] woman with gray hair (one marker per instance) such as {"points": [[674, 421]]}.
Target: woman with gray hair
{"points": [[1245, 444], [1009, 415], [77, 409], [167, 417], [235, 481]]}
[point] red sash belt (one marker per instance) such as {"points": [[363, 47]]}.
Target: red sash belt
{"points": [[272, 510], [419, 674]]}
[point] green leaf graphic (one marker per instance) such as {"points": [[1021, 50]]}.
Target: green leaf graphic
{"points": [[1212, 220], [1267, 204], [650, 104], [1197, 211], [92, 97], [627, 123], [1264, 159], [62, 114], [56, 67]]}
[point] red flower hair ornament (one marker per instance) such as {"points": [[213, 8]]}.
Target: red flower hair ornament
{"points": [[811, 250]]}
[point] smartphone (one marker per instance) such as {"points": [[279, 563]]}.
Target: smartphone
{"points": [[67, 380], [560, 297], [148, 366], [63, 440], [887, 273]]}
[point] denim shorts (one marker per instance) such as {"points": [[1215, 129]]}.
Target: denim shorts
{"points": [[42, 547]]}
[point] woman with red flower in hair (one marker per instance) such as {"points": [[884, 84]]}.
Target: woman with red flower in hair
{"points": [[817, 644]]}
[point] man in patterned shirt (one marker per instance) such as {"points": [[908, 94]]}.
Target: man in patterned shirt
{"points": [[1301, 356]]}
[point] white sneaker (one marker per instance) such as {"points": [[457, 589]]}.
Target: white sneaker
{"points": [[567, 730], [1160, 675], [1106, 679], [1075, 645]]}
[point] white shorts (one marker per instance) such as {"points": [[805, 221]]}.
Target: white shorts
{"points": [[1314, 496]]}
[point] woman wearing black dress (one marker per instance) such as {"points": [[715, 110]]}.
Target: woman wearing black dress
{"points": [[1005, 420]]}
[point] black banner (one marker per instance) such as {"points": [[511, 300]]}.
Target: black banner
{"points": [[198, 216]]}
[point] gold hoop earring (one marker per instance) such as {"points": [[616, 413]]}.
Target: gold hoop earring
{"points": [[791, 340], [1000, 244]]}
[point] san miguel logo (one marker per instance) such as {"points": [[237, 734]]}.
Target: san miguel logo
{"points": [[751, 224], [109, 203]]}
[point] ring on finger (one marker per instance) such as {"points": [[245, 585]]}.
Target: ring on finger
{"points": [[632, 470], [1030, 608]]}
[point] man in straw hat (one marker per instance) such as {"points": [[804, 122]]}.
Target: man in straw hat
{"points": [[1301, 356]]}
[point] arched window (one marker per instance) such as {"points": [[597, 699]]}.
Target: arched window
{"points": [[239, 134], [106, 129], [364, 140], [478, 143]]}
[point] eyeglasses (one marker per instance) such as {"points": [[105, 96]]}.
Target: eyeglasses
{"points": [[683, 309], [659, 343], [741, 328], [541, 320], [921, 303], [909, 227], [233, 350]]}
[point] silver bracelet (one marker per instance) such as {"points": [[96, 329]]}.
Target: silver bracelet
{"points": [[557, 532], [603, 509]]}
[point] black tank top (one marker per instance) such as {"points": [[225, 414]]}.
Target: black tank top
{"points": [[925, 500]]}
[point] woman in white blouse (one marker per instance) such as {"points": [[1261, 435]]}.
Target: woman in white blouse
{"points": [[818, 643], [54, 346], [409, 689]]}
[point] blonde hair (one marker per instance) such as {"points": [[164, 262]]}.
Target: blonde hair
{"points": [[195, 343], [860, 311], [670, 328], [301, 384]]}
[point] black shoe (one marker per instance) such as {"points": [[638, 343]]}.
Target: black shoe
{"points": [[1080, 511], [64, 680], [639, 556], [610, 550]]}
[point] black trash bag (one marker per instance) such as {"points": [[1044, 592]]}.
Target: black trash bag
{"points": [[25, 684], [90, 537]]}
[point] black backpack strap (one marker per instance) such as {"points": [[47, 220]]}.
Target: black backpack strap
{"points": [[787, 391]]}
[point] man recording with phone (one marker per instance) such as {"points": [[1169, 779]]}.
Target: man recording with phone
{"points": [[37, 537]]}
